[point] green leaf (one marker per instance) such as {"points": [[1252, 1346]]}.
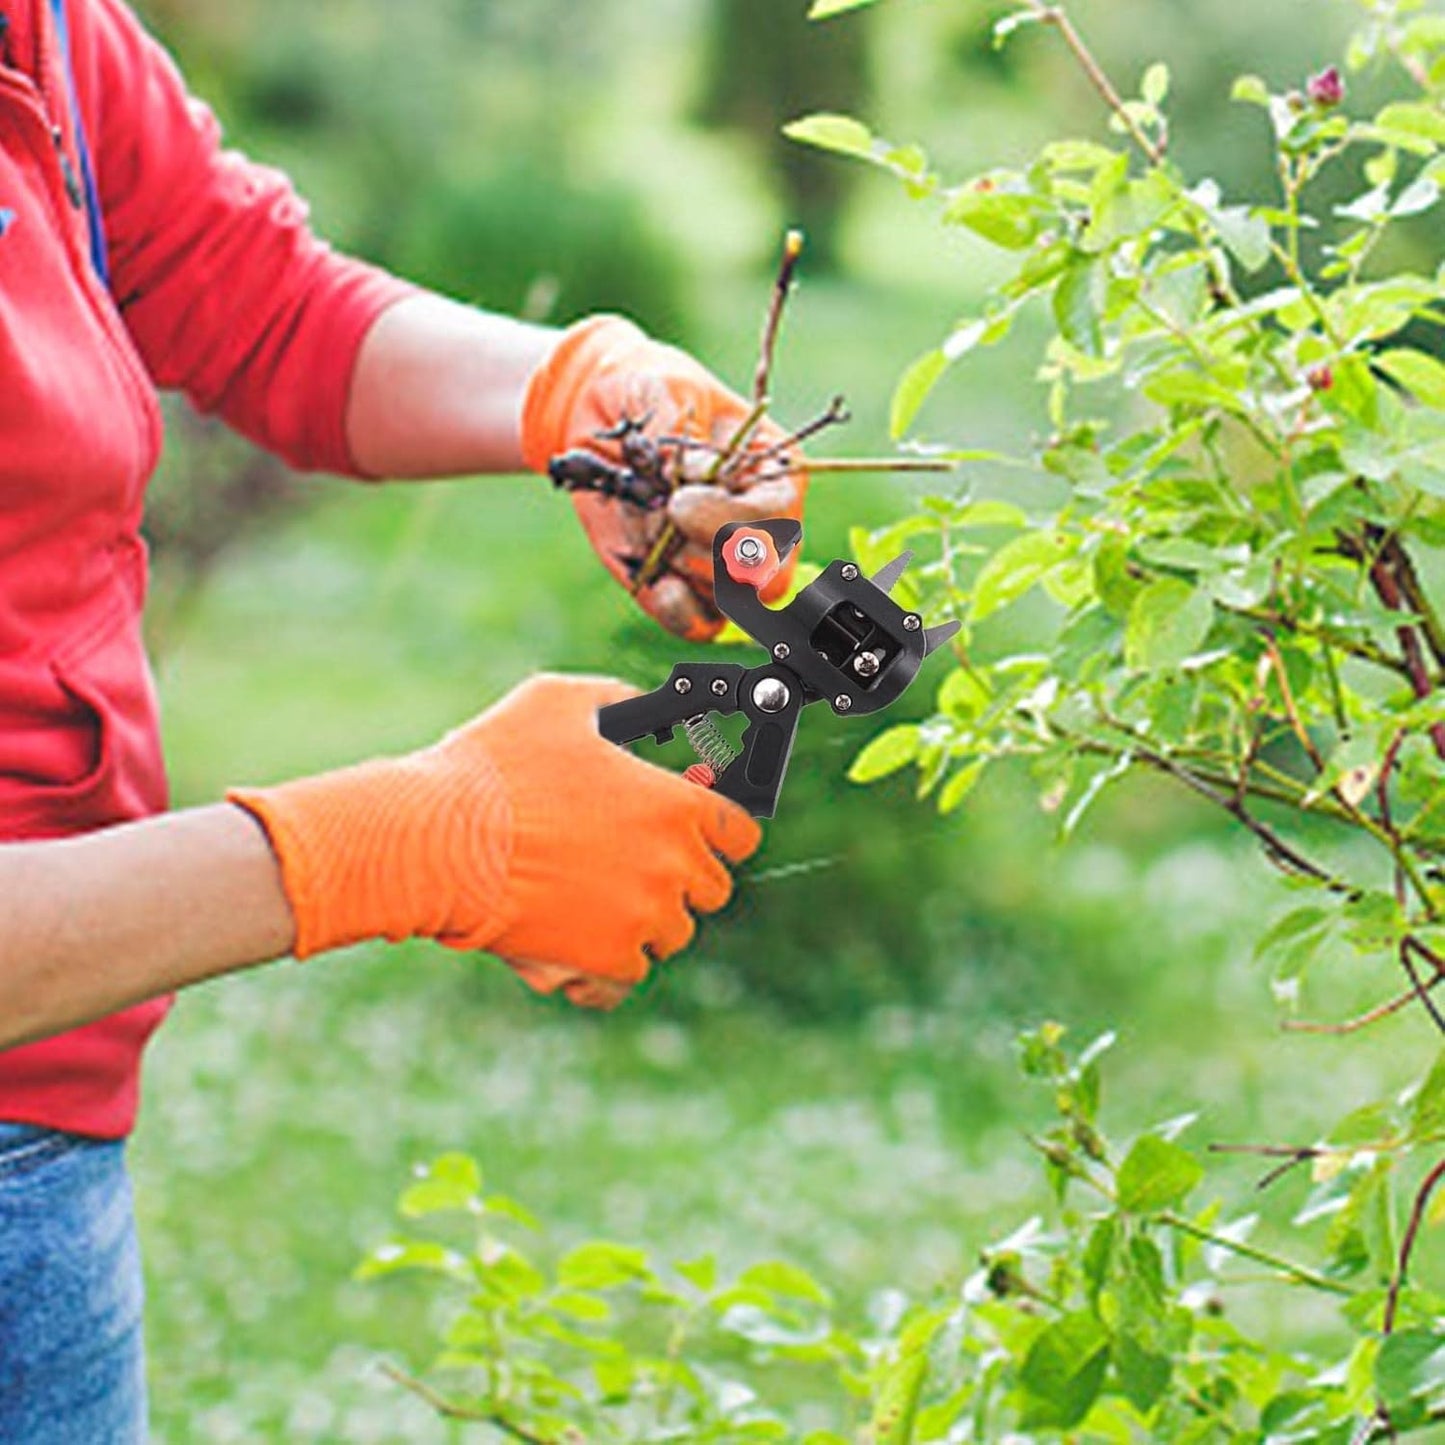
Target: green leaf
{"points": [[1156, 1175], [1421, 375], [1414, 120], [959, 786], [1078, 304], [701, 1273], [450, 1183], [1411, 1363], [914, 389], [896, 1408], [1143, 1373], [822, 9], [1251, 90], [1016, 567], [1168, 623], [599, 1265], [1008, 219], [1292, 942], [411, 1254], [1064, 1372], [886, 754], [1155, 86], [784, 1279], [1428, 1115], [839, 133]]}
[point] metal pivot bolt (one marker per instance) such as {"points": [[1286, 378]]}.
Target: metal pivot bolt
{"points": [[782, 652], [750, 550], [912, 622], [683, 686], [850, 572], [842, 703], [771, 695], [867, 664], [719, 686]]}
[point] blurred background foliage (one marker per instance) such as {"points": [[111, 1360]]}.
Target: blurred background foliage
{"points": [[827, 1076]]}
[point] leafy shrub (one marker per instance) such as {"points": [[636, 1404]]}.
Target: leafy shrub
{"points": [[1245, 448]]}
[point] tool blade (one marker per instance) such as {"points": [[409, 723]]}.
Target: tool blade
{"points": [[935, 637], [886, 577]]}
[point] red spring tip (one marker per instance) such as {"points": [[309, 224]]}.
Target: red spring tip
{"points": [[702, 775]]}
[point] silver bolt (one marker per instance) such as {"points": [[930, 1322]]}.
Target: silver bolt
{"points": [[866, 664], [750, 550], [782, 652], [850, 572], [842, 703], [683, 685], [912, 622], [772, 695], [719, 686]]}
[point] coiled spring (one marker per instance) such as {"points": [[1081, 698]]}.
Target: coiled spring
{"points": [[709, 743]]}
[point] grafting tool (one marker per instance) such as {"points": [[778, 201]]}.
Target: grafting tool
{"points": [[842, 640]]}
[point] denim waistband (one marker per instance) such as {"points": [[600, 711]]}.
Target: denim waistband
{"points": [[16, 1136]]}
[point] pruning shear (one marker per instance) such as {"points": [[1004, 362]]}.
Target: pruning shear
{"points": [[841, 639]]}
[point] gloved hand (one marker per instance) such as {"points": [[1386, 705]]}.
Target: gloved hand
{"points": [[523, 833], [605, 369]]}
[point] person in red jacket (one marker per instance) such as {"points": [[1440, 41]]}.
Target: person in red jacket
{"points": [[136, 254]]}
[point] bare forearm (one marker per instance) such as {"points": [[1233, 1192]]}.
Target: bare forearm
{"points": [[438, 390], [94, 924]]}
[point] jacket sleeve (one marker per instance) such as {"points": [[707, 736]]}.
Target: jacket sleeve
{"points": [[227, 293]]}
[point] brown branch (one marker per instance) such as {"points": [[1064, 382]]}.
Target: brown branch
{"points": [[1409, 946], [1291, 707], [1280, 852], [1382, 564], [670, 540], [1407, 1246], [1408, 577], [451, 1410], [1056, 16], [782, 287], [1364, 1020]]}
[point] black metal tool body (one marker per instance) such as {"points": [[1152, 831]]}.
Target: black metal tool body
{"points": [[842, 640]]}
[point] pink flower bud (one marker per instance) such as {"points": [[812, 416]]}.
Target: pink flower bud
{"points": [[1321, 378], [1327, 89]]}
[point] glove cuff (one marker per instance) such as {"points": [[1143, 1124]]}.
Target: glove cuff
{"points": [[557, 385], [394, 849]]}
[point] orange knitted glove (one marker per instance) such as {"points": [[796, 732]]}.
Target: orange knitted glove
{"points": [[524, 833], [605, 369]]}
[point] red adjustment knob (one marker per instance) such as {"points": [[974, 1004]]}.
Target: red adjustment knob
{"points": [[751, 557], [702, 775]]}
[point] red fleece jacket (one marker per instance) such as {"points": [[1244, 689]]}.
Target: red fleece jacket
{"points": [[217, 288]]}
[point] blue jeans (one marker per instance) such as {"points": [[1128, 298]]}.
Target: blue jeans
{"points": [[72, 1363]]}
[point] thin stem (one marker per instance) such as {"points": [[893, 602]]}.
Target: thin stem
{"points": [[1364, 1020], [451, 1410], [1409, 946], [1245, 1250], [1407, 1245], [1056, 16], [762, 378]]}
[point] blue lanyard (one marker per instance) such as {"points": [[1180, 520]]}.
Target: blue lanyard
{"points": [[98, 254]]}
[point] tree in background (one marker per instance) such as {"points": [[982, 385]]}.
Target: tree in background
{"points": [[766, 66]]}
